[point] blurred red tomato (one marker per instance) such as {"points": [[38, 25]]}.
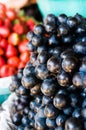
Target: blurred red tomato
{"points": [[13, 61], [18, 28], [22, 46], [11, 14], [3, 43], [21, 65], [25, 56], [1, 51], [11, 51], [4, 31], [7, 70], [13, 39], [2, 61]]}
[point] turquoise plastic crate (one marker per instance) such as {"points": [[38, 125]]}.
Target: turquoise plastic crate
{"points": [[69, 7], [4, 88]]}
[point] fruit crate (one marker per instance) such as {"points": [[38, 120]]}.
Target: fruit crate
{"points": [[4, 90]]}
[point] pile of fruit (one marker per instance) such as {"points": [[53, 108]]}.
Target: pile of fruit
{"points": [[13, 51], [51, 89]]}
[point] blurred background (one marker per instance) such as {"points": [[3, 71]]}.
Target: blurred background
{"points": [[17, 17], [29, 6]]}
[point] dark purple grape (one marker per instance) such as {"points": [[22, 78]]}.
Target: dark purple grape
{"points": [[59, 128], [49, 87], [73, 124], [53, 40], [35, 89], [31, 47], [50, 19], [60, 101], [16, 118], [69, 64], [62, 18], [42, 71], [37, 40], [82, 67], [64, 79], [25, 120], [50, 111], [80, 18], [40, 123], [63, 29], [39, 29], [51, 123], [29, 81], [60, 120], [21, 127], [68, 111], [46, 100], [30, 35], [67, 53], [31, 114], [42, 57], [54, 65], [77, 113], [78, 79], [72, 22], [81, 29], [80, 48], [49, 28]]}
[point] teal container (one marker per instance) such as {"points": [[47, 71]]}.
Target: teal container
{"points": [[69, 7], [4, 89]]}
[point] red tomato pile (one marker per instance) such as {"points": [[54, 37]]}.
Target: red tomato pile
{"points": [[13, 51]]}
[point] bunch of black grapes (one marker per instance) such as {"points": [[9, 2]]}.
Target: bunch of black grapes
{"points": [[51, 89]]}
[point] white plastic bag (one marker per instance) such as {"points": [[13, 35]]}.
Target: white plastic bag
{"points": [[5, 119]]}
